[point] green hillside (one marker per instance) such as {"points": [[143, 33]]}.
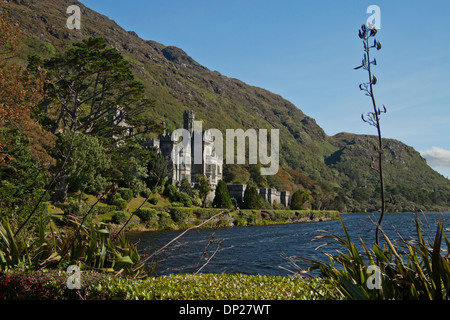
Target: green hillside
{"points": [[336, 170]]}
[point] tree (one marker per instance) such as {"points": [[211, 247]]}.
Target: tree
{"points": [[157, 170], [20, 91], [222, 198], [88, 84], [251, 198], [204, 187], [87, 164], [373, 118], [299, 198], [21, 179]]}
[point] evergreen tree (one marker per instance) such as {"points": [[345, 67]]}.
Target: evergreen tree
{"points": [[204, 187], [251, 198], [222, 198], [299, 198]]}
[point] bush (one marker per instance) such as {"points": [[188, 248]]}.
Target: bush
{"points": [[77, 209], [165, 221], [126, 194], [153, 200], [145, 192], [177, 204], [146, 214], [171, 192], [112, 198], [178, 215], [121, 204], [105, 209], [185, 199], [119, 217]]}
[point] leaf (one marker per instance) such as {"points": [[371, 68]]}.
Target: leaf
{"points": [[354, 291], [374, 80], [125, 259], [358, 67]]}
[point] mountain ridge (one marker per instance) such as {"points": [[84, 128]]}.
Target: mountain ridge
{"points": [[176, 82]]}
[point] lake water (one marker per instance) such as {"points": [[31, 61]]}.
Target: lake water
{"points": [[260, 249]]}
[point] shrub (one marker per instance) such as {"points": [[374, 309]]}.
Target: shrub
{"points": [[121, 204], [145, 192], [165, 221], [126, 194], [119, 217], [105, 209], [76, 208], [171, 192], [112, 198], [179, 215], [153, 200], [185, 199], [146, 214]]}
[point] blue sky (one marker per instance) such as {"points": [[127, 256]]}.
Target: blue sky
{"points": [[305, 51]]}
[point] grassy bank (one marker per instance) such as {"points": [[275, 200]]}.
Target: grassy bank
{"points": [[51, 285], [176, 218], [160, 214]]}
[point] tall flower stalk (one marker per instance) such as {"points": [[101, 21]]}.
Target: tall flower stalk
{"points": [[367, 35]]}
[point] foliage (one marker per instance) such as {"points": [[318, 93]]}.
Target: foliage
{"points": [[51, 285], [157, 170], [119, 217], [146, 214], [20, 90], [222, 197], [87, 164], [179, 215], [92, 247], [251, 198], [203, 186], [85, 84], [299, 198], [153, 200], [21, 179], [126, 194], [409, 270]]}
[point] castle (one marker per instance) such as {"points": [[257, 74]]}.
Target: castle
{"points": [[182, 165]]}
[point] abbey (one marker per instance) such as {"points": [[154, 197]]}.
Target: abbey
{"points": [[183, 162]]}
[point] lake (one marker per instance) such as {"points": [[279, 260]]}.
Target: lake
{"points": [[260, 249]]}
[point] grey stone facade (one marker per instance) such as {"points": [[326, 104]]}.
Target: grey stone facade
{"points": [[271, 195], [185, 168]]}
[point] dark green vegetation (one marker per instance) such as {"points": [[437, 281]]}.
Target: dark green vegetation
{"points": [[94, 173], [52, 285], [332, 168]]}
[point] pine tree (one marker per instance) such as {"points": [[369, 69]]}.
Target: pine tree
{"points": [[222, 198], [251, 198]]}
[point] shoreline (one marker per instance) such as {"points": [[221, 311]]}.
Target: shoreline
{"points": [[166, 221]]}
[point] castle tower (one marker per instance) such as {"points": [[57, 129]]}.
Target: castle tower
{"points": [[188, 120]]}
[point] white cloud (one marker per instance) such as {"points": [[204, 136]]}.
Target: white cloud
{"points": [[437, 157]]}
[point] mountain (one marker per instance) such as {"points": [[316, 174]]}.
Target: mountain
{"points": [[336, 169]]}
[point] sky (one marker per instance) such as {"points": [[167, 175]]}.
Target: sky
{"points": [[305, 51]]}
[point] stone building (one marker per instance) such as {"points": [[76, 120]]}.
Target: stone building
{"points": [[181, 160], [271, 195]]}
